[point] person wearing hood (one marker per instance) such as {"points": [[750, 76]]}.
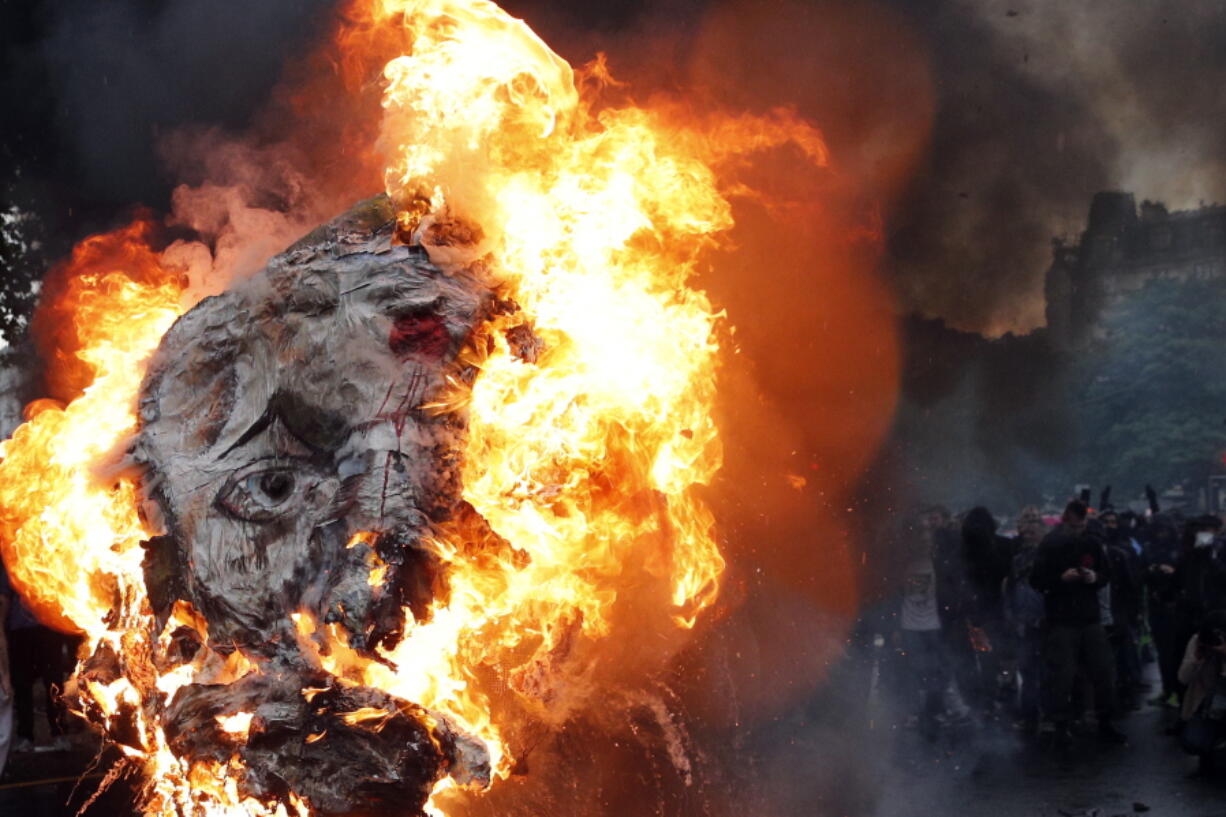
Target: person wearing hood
{"points": [[986, 560], [1125, 596], [1160, 559]]}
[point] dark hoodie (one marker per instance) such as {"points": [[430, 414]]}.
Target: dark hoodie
{"points": [[1070, 603], [1200, 578], [988, 558], [1126, 601], [1161, 547]]}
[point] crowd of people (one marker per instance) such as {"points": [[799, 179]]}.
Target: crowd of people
{"points": [[1050, 628]]}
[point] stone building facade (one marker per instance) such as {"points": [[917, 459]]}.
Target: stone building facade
{"points": [[1122, 248]]}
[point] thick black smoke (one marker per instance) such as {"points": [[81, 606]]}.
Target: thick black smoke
{"points": [[982, 421], [104, 81], [1039, 105], [1012, 160], [1036, 106]]}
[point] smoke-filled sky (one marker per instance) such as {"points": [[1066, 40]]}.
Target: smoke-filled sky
{"points": [[981, 127]]}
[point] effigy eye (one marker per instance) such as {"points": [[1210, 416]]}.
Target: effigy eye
{"points": [[263, 495], [275, 486]]}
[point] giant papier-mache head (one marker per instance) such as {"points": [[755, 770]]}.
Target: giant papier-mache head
{"points": [[290, 462]]}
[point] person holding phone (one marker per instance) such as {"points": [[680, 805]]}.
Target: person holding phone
{"points": [[1070, 569]]}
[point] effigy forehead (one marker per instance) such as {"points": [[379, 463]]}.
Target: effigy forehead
{"points": [[345, 321]]}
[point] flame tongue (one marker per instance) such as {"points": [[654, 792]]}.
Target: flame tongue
{"points": [[590, 423], [70, 538]]}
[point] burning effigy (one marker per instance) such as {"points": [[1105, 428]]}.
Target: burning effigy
{"points": [[348, 535], [290, 460]]}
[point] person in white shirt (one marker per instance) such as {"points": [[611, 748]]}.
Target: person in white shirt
{"points": [[920, 638]]}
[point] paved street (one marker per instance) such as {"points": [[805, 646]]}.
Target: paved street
{"points": [[834, 758], [997, 776]]}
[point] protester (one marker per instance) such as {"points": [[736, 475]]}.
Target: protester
{"points": [[949, 563], [1023, 612], [956, 599], [1199, 579], [922, 642], [1069, 570], [1126, 602], [1161, 557], [1060, 615], [1203, 672], [986, 557]]}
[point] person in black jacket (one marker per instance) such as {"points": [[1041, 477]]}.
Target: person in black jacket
{"points": [[1199, 578], [1070, 569], [1160, 560], [955, 599], [1126, 605], [986, 558], [1024, 615]]}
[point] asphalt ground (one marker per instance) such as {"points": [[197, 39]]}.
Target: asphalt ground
{"points": [[991, 770]]}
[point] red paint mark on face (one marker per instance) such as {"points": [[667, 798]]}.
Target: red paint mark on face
{"points": [[420, 336]]}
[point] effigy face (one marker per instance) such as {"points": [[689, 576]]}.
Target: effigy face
{"points": [[296, 475]]}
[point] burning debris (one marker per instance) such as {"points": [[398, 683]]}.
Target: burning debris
{"points": [[354, 535]]}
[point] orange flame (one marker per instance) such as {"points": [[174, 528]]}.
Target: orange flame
{"points": [[590, 427], [70, 533], [585, 452]]}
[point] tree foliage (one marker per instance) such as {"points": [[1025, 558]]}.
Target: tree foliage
{"points": [[1151, 395], [21, 268]]}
